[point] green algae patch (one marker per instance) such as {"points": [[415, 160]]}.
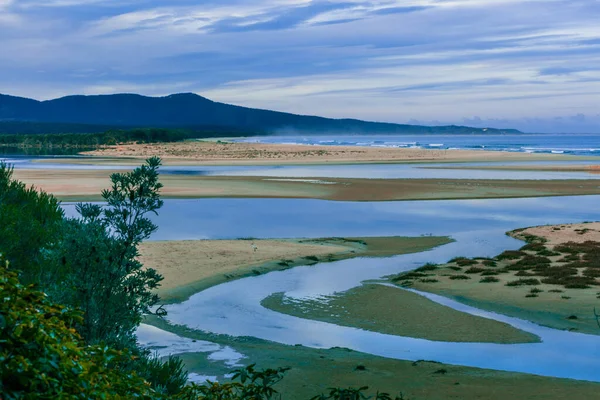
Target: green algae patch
{"points": [[399, 312]]}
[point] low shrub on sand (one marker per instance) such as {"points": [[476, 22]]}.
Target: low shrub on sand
{"points": [[489, 279], [524, 282]]}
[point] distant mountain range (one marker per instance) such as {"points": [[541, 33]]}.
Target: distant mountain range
{"points": [[87, 114]]}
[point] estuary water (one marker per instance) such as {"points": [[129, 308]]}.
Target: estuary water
{"points": [[478, 226], [369, 171]]}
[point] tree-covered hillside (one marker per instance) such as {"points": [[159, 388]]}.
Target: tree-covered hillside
{"points": [[193, 112]]}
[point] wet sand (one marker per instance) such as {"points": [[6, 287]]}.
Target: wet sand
{"points": [[191, 266], [391, 311], [86, 185]]}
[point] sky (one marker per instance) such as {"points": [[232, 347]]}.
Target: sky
{"points": [[532, 65]]}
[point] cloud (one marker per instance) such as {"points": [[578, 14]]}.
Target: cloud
{"points": [[506, 61]]}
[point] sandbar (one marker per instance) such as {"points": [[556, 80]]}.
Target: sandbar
{"points": [[85, 185], [231, 153], [399, 312], [191, 266]]}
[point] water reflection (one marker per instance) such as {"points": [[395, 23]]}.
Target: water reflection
{"points": [[477, 225], [368, 171]]}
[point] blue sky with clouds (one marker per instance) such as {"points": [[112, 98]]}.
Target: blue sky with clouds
{"points": [[534, 64]]}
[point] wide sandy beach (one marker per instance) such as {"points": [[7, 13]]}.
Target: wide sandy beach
{"points": [[214, 153]]}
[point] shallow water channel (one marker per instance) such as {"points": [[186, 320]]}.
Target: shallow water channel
{"points": [[369, 171], [478, 226]]}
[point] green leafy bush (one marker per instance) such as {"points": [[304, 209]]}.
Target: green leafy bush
{"points": [[43, 356]]}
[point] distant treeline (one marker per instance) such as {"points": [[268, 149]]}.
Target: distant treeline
{"points": [[108, 138]]}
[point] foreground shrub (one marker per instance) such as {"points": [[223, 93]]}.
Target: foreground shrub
{"points": [[30, 224], [43, 356], [165, 377], [247, 383]]}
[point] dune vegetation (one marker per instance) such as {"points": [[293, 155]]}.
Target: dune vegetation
{"points": [[552, 280]]}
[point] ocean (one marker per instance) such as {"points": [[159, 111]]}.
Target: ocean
{"points": [[574, 144]]}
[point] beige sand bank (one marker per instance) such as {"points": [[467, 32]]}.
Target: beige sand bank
{"points": [[547, 283], [80, 185], [191, 266], [212, 153], [558, 234]]}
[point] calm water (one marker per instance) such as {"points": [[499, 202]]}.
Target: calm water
{"points": [[371, 171], [295, 218], [559, 144], [478, 226]]}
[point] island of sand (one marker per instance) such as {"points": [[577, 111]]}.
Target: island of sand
{"points": [[84, 184], [240, 153], [553, 280]]}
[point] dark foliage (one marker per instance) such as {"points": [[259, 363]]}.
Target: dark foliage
{"points": [[524, 282], [511, 255], [30, 223], [489, 279], [463, 261], [459, 277], [107, 138]]}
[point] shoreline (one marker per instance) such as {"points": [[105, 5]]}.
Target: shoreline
{"points": [[243, 153], [420, 379], [591, 168], [341, 365], [197, 265], [383, 309], [549, 281], [415, 379], [85, 185]]}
